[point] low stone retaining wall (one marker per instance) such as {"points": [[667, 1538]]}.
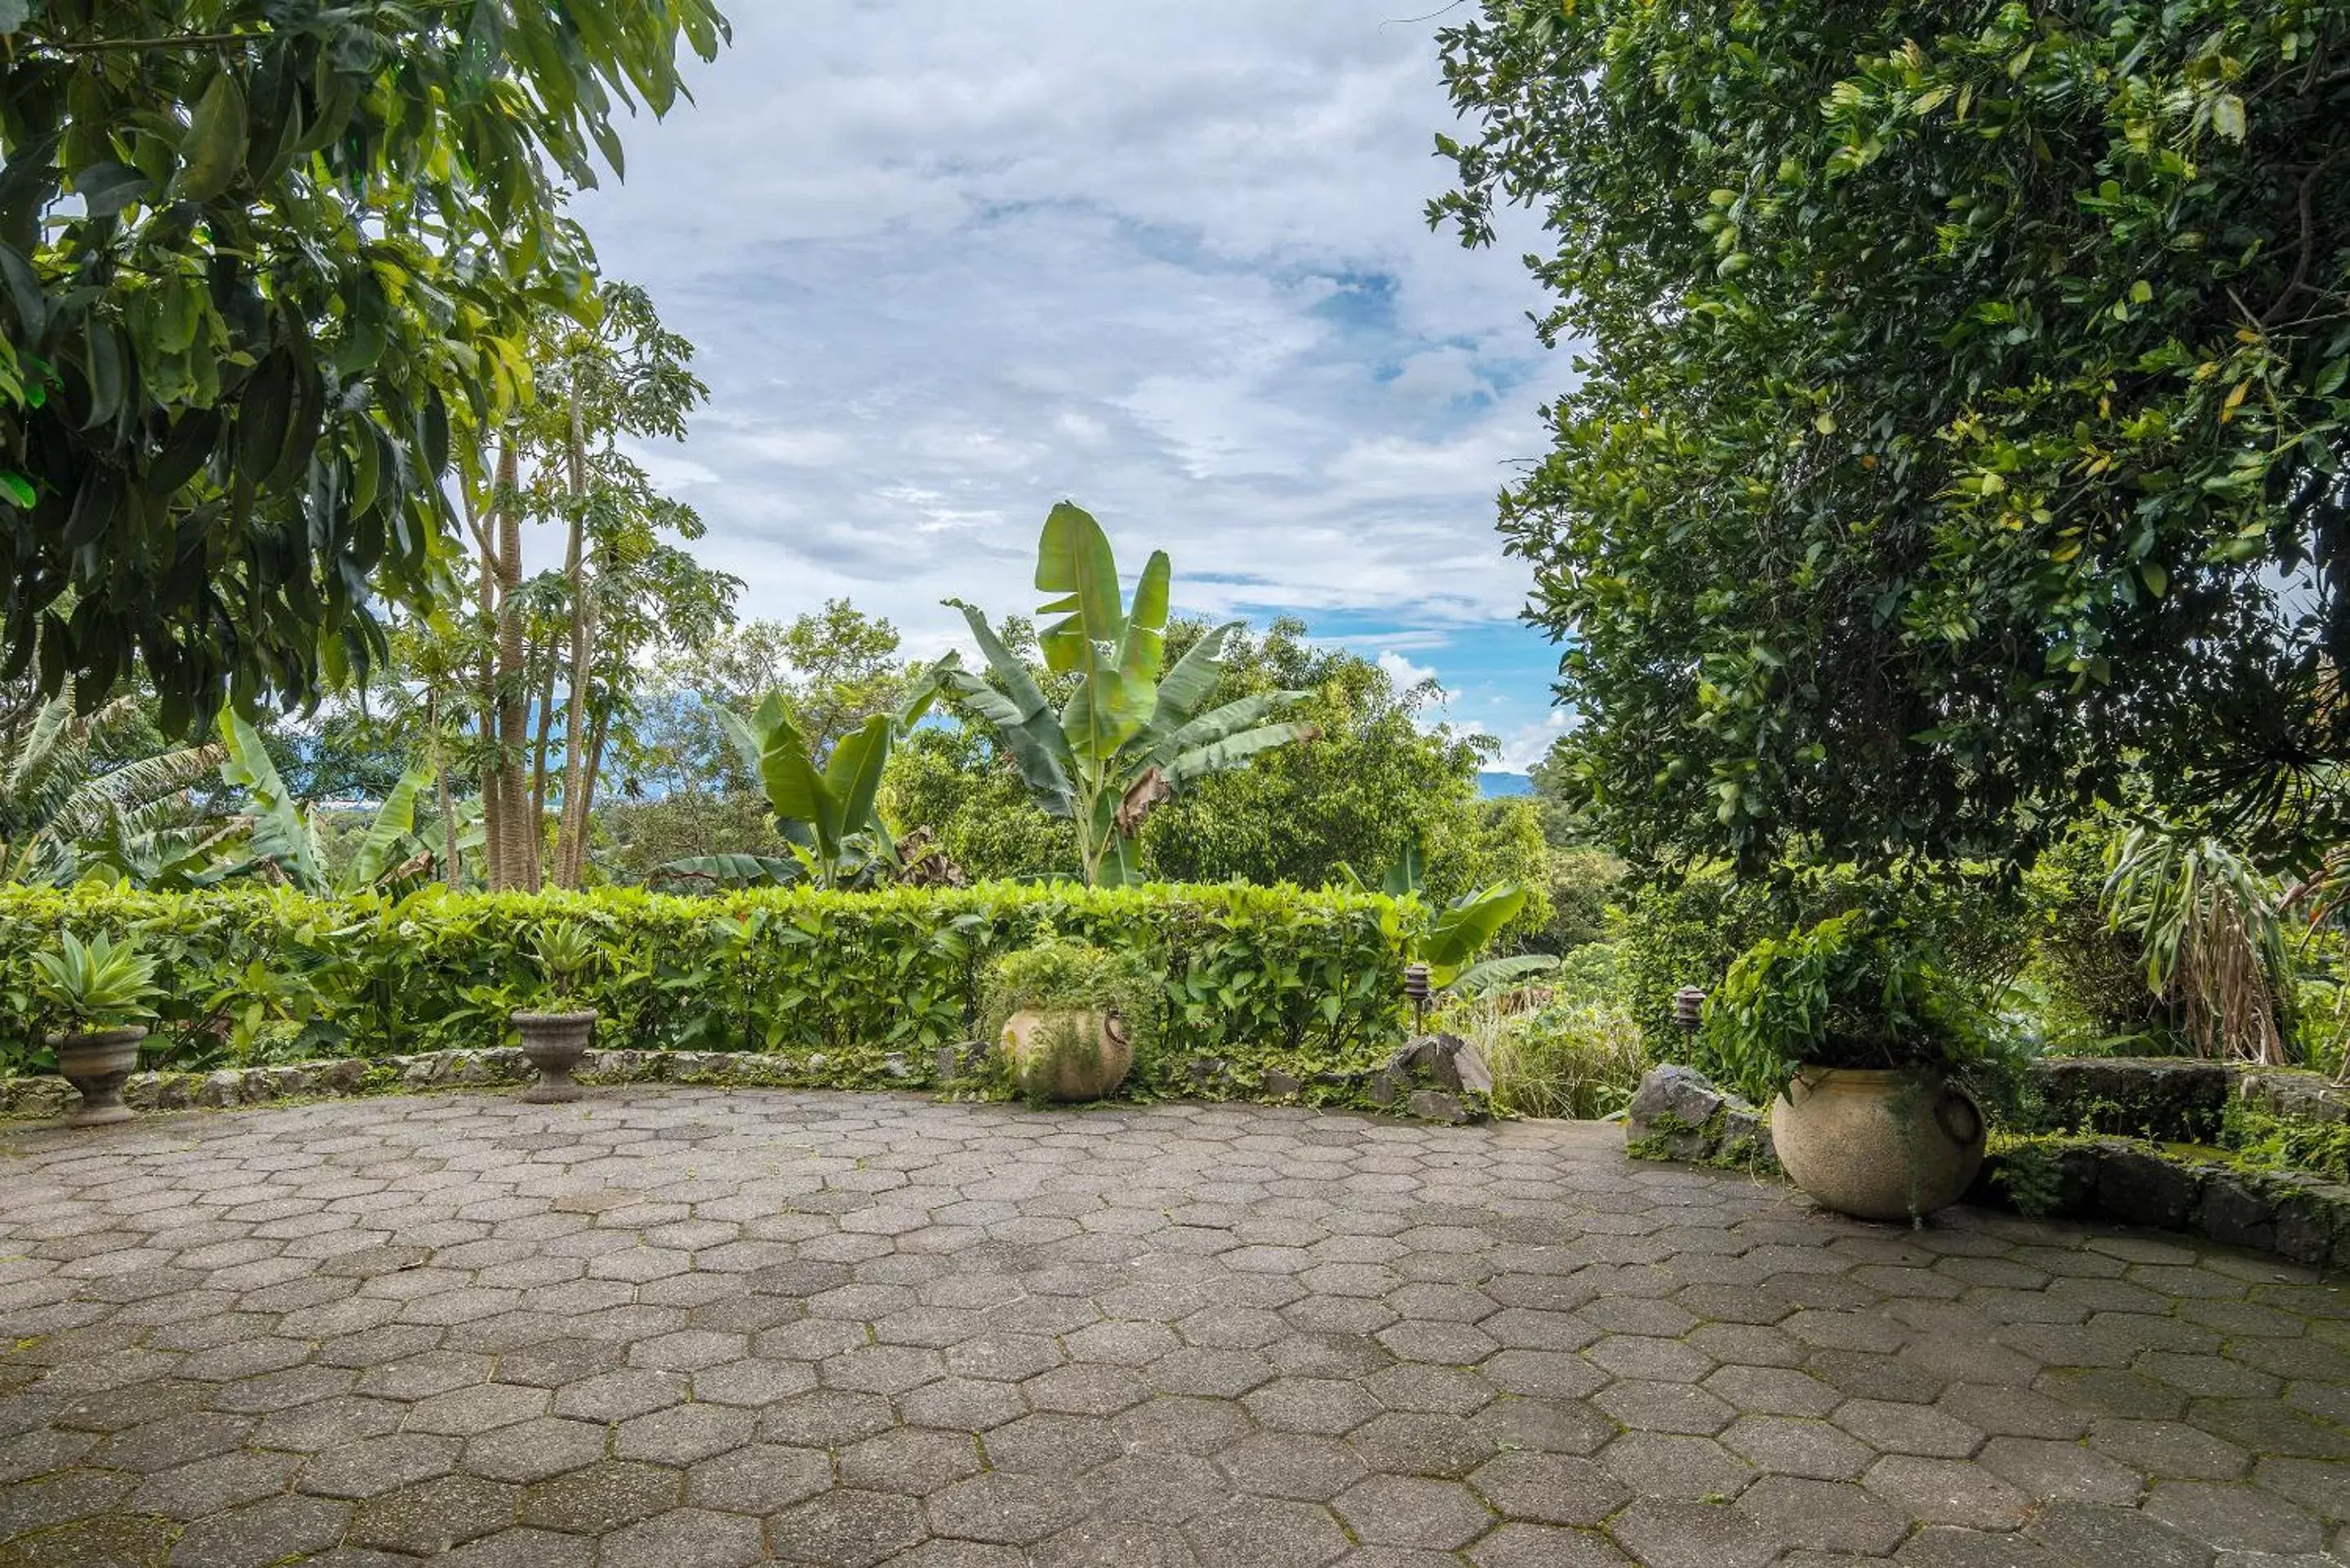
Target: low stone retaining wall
{"points": [[1426, 1079], [2085, 1172], [43, 1097], [2290, 1213], [2172, 1100]]}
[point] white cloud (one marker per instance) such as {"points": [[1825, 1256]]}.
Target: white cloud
{"points": [[1403, 671], [946, 265]]}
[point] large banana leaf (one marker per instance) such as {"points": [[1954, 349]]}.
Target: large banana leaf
{"points": [[1231, 718], [1228, 752], [390, 837], [1182, 689], [853, 776], [1105, 711], [281, 833], [1144, 648], [737, 870], [1462, 928], [1074, 561], [1023, 720], [1406, 876], [795, 792], [1502, 973]]}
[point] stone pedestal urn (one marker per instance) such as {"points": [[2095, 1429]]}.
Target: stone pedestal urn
{"points": [[1068, 1056], [98, 1064], [1879, 1144], [555, 1042]]}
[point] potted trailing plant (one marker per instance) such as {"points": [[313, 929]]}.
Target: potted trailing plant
{"points": [[97, 990], [556, 1038], [1067, 1019], [1859, 1041]]}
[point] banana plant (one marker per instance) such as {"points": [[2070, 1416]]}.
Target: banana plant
{"points": [[62, 818], [1130, 735], [285, 843], [1458, 932], [826, 813]]}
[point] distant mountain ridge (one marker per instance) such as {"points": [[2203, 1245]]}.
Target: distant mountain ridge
{"points": [[1490, 784]]}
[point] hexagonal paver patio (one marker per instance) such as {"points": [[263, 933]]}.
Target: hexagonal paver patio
{"points": [[677, 1328]]}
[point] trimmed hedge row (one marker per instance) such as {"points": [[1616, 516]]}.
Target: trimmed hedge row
{"points": [[1258, 979]]}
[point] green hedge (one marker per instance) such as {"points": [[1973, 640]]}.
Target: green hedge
{"points": [[1259, 977]]}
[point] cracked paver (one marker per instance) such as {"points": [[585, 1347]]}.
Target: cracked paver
{"points": [[670, 1325]]}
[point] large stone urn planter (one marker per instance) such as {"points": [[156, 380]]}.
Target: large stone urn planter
{"points": [[98, 1064], [1879, 1144], [554, 1043], [1068, 1056]]}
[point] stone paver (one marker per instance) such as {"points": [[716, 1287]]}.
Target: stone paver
{"points": [[671, 1326]]}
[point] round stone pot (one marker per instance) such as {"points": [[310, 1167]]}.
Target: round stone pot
{"points": [[98, 1064], [554, 1042], [1068, 1056], [1879, 1144]]}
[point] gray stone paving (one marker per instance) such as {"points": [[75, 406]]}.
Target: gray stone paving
{"points": [[685, 1329]]}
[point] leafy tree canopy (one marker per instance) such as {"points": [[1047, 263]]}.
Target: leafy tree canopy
{"points": [[256, 256], [1960, 414]]}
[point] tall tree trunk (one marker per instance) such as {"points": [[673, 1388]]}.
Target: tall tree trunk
{"points": [[544, 728], [486, 716], [568, 858], [452, 858], [519, 845]]}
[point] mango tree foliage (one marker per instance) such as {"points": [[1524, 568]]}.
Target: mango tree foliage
{"points": [[254, 258], [1960, 414], [1130, 734]]}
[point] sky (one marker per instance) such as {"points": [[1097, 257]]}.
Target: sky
{"points": [[945, 265]]}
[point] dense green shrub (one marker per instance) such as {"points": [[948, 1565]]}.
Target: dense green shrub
{"points": [[1251, 975], [1689, 932], [1860, 990]]}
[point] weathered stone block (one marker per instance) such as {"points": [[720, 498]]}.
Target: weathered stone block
{"points": [[2171, 1099], [1436, 1105], [2309, 1214], [1282, 1086], [2236, 1211], [2143, 1188], [1673, 1099]]}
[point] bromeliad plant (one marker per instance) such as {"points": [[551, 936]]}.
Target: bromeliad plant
{"points": [[1130, 735]]}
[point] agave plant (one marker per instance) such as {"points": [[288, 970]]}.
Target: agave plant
{"points": [[2213, 936], [102, 984], [390, 857], [62, 818], [1131, 734]]}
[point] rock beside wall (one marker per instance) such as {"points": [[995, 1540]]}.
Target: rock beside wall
{"points": [[1678, 1113]]}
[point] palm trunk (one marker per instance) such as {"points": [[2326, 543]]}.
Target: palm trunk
{"points": [[520, 845], [568, 858]]}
